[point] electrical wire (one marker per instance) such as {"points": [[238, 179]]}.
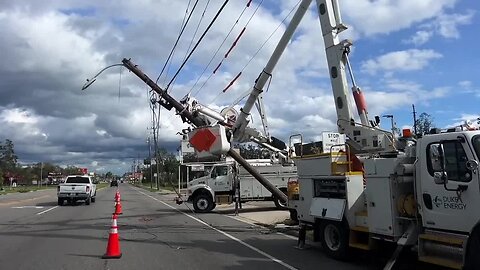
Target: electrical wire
{"points": [[198, 42], [269, 37], [193, 37], [261, 47], [182, 28], [216, 52], [245, 26]]}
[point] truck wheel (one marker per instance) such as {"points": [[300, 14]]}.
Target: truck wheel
{"points": [[94, 197], [203, 203], [60, 201], [88, 200], [334, 237]]}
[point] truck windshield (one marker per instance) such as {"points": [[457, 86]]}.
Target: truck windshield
{"points": [[77, 180], [476, 144]]}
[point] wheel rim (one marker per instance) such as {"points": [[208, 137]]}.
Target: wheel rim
{"points": [[202, 204], [332, 237], [282, 204]]}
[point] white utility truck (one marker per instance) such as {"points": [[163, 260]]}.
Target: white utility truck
{"points": [[416, 192], [218, 186], [75, 188]]}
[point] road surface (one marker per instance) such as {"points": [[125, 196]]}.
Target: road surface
{"points": [[155, 233]]}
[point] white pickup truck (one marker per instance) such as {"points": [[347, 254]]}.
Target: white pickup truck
{"points": [[75, 188]]}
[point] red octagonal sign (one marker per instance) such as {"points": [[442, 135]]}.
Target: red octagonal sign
{"points": [[203, 140]]}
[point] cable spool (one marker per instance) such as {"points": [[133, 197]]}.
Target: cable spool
{"points": [[406, 205]]}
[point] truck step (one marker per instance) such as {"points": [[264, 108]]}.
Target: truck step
{"points": [[360, 246], [441, 261], [452, 240], [359, 229], [361, 214]]}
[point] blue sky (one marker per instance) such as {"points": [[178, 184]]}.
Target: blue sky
{"points": [[410, 51]]}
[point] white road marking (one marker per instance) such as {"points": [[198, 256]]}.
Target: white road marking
{"points": [[226, 234], [45, 211], [27, 206]]}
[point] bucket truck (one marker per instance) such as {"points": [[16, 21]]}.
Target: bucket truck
{"points": [[419, 193], [239, 132]]}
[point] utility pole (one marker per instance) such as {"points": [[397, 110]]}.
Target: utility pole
{"points": [[414, 119], [41, 173], [150, 162]]}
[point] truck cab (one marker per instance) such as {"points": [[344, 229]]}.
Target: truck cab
{"points": [[218, 184]]}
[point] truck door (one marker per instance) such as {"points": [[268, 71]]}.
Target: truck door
{"points": [[450, 206], [220, 178]]}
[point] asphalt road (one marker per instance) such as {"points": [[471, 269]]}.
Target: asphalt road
{"points": [[154, 234]]}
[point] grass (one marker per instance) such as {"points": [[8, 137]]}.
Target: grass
{"points": [[154, 189], [25, 189]]}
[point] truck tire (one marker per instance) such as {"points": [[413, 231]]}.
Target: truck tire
{"points": [[334, 238], [88, 200], [94, 197], [203, 203], [60, 201]]}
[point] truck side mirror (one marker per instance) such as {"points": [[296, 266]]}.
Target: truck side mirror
{"points": [[472, 165], [440, 178]]}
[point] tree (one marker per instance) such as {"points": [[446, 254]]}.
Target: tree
{"points": [[8, 159], [251, 151], [109, 175], [424, 123]]}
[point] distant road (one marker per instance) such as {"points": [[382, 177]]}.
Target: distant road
{"points": [[37, 234]]}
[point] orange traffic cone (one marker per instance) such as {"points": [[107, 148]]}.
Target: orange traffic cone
{"points": [[113, 246], [118, 208], [118, 205]]}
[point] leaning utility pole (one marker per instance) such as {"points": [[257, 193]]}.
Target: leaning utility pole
{"points": [[169, 102]]}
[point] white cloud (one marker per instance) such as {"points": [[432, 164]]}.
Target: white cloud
{"points": [[408, 60], [420, 37], [444, 25], [384, 16]]}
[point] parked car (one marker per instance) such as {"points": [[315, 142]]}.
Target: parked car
{"points": [[114, 183]]}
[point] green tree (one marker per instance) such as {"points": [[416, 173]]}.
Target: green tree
{"points": [[109, 175], [1, 179], [251, 151], [8, 159], [424, 123]]}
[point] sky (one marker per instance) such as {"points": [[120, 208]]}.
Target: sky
{"points": [[404, 52]]}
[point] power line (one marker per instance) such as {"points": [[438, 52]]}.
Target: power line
{"points": [[261, 47], [218, 49], [231, 47], [184, 25], [196, 30], [198, 42]]}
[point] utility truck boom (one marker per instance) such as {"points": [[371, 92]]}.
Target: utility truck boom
{"points": [[418, 193]]}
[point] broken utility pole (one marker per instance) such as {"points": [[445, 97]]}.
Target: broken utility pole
{"points": [[169, 102]]}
